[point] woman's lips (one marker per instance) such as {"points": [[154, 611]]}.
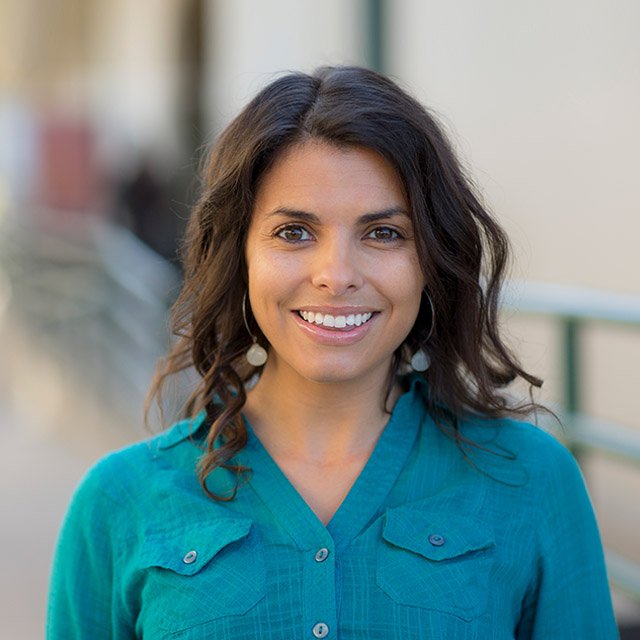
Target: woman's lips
{"points": [[336, 335]]}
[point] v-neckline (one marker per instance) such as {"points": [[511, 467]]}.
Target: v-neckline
{"points": [[365, 497]]}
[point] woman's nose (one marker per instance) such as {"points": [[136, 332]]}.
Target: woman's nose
{"points": [[336, 267]]}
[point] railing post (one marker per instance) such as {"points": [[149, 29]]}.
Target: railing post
{"points": [[571, 365]]}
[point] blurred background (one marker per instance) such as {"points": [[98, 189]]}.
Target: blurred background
{"points": [[106, 107]]}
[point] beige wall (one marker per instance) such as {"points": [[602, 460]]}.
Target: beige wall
{"points": [[545, 98], [135, 84], [248, 42]]}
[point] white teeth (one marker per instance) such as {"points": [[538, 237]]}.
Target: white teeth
{"points": [[339, 322]]}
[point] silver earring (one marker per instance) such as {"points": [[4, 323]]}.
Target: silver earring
{"points": [[420, 360], [256, 355]]}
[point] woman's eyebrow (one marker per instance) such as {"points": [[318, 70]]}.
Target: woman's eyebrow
{"points": [[297, 214], [383, 215], [366, 218]]}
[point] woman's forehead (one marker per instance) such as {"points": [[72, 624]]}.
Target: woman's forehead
{"points": [[321, 174]]}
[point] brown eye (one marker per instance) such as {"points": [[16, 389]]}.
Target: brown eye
{"points": [[384, 234], [293, 233]]}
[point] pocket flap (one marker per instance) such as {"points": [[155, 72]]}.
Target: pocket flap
{"points": [[187, 550], [434, 535]]}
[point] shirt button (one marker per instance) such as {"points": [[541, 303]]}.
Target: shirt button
{"points": [[190, 557], [436, 539], [320, 630], [322, 554]]}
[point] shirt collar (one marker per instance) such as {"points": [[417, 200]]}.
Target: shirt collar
{"points": [[181, 431]]}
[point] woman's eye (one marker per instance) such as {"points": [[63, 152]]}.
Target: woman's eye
{"points": [[384, 233], [293, 233]]}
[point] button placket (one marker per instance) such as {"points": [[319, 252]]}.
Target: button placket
{"points": [[319, 602]]}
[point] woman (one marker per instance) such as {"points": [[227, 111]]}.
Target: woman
{"points": [[348, 465]]}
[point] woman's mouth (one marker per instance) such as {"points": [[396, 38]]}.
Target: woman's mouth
{"points": [[335, 321]]}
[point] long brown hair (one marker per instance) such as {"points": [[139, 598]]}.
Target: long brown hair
{"points": [[462, 250]]}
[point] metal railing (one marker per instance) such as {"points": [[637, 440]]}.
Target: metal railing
{"points": [[98, 302], [573, 309]]}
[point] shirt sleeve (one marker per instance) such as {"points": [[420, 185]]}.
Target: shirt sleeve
{"points": [[570, 596], [84, 599]]}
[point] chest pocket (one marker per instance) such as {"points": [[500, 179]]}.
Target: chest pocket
{"points": [[201, 573], [435, 561]]}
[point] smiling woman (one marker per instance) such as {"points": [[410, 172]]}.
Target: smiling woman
{"points": [[349, 464]]}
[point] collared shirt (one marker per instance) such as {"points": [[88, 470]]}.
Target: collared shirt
{"points": [[494, 544]]}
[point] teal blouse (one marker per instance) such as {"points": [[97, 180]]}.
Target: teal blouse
{"points": [[499, 545]]}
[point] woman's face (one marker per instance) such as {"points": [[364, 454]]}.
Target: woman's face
{"points": [[334, 277]]}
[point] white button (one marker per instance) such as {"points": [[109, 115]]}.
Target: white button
{"points": [[320, 630], [190, 557], [322, 554]]}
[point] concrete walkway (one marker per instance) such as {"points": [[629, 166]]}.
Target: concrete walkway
{"points": [[37, 476], [50, 433]]}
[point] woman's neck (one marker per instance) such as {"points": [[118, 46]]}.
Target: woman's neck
{"points": [[321, 423]]}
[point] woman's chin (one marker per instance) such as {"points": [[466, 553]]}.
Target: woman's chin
{"points": [[338, 372]]}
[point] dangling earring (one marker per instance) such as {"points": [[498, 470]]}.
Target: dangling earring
{"points": [[420, 360], [256, 355]]}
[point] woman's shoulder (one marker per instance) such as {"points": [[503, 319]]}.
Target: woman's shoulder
{"points": [[122, 474], [531, 443], [502, 441], [521, 454]]}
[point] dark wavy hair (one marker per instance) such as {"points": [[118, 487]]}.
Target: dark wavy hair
{"points": [[462, 251]]}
